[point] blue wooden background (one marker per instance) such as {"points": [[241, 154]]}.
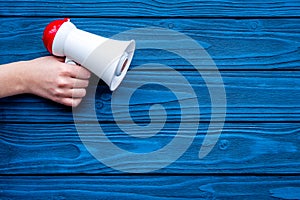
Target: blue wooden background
{"points": [[256, 46]]}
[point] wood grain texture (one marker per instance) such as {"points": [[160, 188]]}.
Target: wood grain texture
{"points": [[256, 148], [233, 44], [149, 187], [175, 8], [256, 46], [251, 96]]}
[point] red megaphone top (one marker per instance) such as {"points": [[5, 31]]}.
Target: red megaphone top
{"points": [[50, 32]]}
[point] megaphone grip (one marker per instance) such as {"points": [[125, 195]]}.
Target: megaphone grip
{"points": [[69, 61]]}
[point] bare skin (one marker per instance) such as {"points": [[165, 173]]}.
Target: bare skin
{"points": [[48, 77]]}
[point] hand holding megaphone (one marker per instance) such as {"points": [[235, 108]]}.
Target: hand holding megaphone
{"points": [[107, 58]]}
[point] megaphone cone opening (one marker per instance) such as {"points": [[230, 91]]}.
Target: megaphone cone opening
{"points": [[119, 74], [124, 65]]}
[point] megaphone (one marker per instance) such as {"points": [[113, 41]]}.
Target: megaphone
{"points": [[107, 58]]}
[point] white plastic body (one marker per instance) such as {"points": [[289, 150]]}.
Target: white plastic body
{"points": [[109, 63]]}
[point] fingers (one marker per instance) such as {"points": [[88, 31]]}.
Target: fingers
{"points": [[78, 72], [69, 86], [79, 83], [69, 97], [70, 101], [70, 93], [68, 82]]}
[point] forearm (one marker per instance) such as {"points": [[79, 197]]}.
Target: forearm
{"points": [[48, 77], [11, 78]]}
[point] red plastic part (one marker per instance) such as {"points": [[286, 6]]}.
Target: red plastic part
{"points": [[50, 32]]}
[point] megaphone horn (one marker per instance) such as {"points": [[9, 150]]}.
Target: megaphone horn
{"points": [[107, 58]]}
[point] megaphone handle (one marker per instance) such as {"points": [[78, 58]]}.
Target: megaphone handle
{"points": [[69, 61]]}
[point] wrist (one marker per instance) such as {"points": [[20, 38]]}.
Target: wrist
{"points": [[11, 79], [22, 80]]}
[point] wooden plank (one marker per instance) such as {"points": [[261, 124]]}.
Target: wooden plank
{"points": [[232, 44], [256, 148], [178, 8], [251, 96], [150, 187]]}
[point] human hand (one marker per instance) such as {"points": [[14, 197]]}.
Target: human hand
{"points": [[51, 78]]}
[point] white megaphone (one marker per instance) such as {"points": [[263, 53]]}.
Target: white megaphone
{"points": [[107, 58]]}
